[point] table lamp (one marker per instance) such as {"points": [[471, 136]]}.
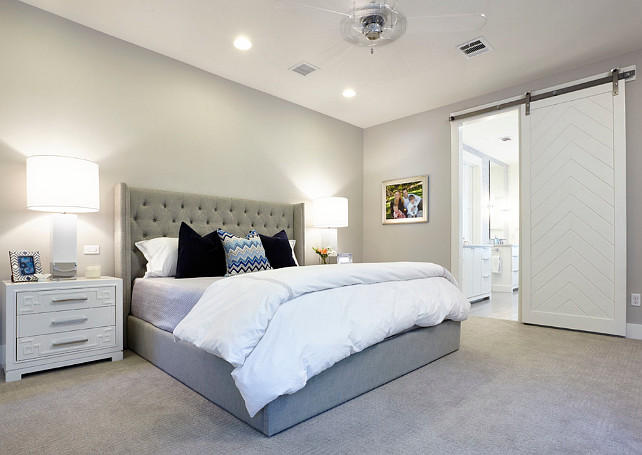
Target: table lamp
{"points": [[66, 186], [330, 212]]}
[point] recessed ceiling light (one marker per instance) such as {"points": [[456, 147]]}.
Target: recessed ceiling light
{"points": [[349, 93], [242, 43]]}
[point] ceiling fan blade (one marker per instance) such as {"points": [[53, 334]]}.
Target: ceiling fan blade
{"points": [[446, 23], [356, 65], [394, 60], [333, 54], [315, 11]]}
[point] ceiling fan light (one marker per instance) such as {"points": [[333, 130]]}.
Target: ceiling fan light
{"points": [[373, 26], [372, 31], [376, 24]]}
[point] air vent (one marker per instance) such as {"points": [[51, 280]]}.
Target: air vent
{"points": [[475, 47], [304, 68]]}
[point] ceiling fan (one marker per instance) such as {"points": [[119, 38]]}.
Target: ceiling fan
{"points": [[376, 23]]}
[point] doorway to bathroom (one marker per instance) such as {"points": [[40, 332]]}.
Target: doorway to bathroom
{"points": [[489, 214]]}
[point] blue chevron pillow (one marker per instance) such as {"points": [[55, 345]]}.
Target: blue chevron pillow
{"points": [[243, 255]]}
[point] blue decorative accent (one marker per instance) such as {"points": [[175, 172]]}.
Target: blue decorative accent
{"points": [[243, 255]]}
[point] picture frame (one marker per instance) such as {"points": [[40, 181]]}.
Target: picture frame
{"points": [[25, 265], [344, 258], [403, 208]]}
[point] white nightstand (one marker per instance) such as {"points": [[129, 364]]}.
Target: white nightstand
{"points": [[53, 324]]}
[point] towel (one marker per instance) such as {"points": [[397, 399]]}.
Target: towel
{"points": [[496, 264]]}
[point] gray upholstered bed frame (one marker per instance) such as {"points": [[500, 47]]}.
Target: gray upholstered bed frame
{"points": [[145, 213]]}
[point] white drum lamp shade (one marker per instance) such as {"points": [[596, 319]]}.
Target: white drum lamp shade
{"points": [[330, 212], [62, 184]]}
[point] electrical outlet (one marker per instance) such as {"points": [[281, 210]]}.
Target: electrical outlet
{"points": [[635, 299]]}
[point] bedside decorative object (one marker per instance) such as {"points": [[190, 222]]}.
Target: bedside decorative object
{"points": [[43, 276], [344, 258], [68, 186], [58, 323], [405, 200], [25, 265], [323, 253]]}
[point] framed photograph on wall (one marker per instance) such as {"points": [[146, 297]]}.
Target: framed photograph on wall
{"points": [[405, 200], [25, 265]]}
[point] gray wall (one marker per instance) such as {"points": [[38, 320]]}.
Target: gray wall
{"points": [[153, 122], [420, 144]]}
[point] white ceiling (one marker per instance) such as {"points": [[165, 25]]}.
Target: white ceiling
{"points": [[484, 135], [531, 39]]}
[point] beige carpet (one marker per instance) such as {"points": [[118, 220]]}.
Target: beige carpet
{"points": [[509, 389]]}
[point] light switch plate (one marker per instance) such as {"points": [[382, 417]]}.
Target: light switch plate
{"points": [[92, 249]]}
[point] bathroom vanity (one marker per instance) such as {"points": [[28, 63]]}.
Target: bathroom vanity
{"points": [[476, 279]]}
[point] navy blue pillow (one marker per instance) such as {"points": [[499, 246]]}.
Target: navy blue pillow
{"points": [[199, 256], [278, 250]]}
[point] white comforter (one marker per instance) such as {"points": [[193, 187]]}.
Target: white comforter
{"points": [[278, 328]]}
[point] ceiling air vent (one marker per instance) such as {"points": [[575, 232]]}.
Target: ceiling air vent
{"points": [[304, 68], [475, 47]]}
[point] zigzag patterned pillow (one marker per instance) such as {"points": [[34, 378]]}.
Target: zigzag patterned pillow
{"points": [[243, 255]]}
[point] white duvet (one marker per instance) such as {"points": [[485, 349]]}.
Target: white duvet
{"points": [[278, 328]]}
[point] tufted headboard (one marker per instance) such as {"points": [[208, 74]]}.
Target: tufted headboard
{"points": [[144, 214]]}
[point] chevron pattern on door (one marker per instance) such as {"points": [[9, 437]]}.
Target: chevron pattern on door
{"points": [[574, 266]]}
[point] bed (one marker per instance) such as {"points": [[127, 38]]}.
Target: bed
{"points": [[144, 214]]}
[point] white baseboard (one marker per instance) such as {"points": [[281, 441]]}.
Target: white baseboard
{"points": [[634, 331]]}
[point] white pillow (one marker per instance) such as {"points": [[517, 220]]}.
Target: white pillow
{"points": [[292, 243], [161, 254]]}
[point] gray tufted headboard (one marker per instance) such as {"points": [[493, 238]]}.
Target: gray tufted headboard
{"points": [[144, 214]]}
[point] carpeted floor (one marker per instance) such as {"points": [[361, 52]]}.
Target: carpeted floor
{"points": [[510, 389]]}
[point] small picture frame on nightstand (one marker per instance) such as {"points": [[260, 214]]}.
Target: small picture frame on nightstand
{"points": [[25, 265], [344, 258]]}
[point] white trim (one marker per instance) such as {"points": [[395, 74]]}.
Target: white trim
{"points": [[634, 331], [521, 198], [456, 198], [455, 203], [619, 172]]}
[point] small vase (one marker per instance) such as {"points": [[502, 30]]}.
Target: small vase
{"points": [[324, 259]]}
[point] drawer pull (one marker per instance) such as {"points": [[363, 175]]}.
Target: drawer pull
{"points": [[69, 299], [68, 321], [70, 341]]}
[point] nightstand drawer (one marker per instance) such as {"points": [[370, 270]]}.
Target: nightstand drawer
{"points": [[59, 343], [65, 299], [63, 321]]}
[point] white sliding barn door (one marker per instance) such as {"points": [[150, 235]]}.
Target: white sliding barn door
{"points": [[574, 211]]}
